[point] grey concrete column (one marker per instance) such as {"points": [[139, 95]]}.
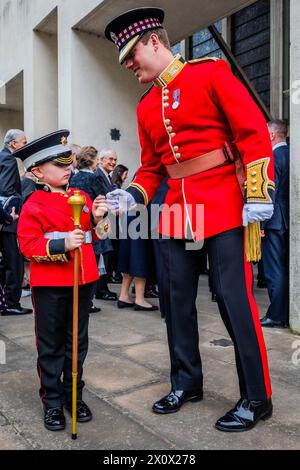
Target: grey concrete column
{"points": [[276, 58], [295, 168]]}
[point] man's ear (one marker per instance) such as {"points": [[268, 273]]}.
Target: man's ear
{"points": [[154, 40]]}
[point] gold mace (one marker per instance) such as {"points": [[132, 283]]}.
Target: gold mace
{"points": [[77, 203]]}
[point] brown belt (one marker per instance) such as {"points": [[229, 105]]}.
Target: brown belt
{"points": [[208, 161]]}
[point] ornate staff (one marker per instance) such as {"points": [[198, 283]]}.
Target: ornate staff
{"points": [[77, 202]]}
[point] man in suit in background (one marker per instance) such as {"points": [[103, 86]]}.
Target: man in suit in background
{"points": [[10, 185], [275, 240], [107, 162]]}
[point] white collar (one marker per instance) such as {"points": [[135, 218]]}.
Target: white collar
{"points": [[280, 144]]}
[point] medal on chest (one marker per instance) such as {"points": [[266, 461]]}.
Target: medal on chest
{"points": [[176, 99]]}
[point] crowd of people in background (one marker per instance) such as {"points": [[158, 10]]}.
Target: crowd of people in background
{"points": [[131, 262]]}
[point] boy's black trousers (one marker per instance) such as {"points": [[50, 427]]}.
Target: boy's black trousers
{"points": [[53, 308]]}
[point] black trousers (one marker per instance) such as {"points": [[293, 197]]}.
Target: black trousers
{"points": [[232, 279], [13, 266], [276, 265], [102, 286], [54, 319]]}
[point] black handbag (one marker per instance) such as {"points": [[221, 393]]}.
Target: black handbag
{"points": [[9, 202]]}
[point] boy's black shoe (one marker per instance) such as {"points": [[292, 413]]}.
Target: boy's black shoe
{"points": [[84, 414], [12, 311], [54, 419]]}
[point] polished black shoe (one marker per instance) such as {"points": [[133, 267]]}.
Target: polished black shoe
{"points": [[108, 295], [151, 294], [175, 399], [54, 419], [116, 279], [262, 284], [122, 304], [16, 311], [94, 309], [140, 308], [245, 415], [84, 414], [269, 323]]}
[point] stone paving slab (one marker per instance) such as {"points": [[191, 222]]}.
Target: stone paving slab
{"points": [[109, 429], [193, 426], [127, 369], [110, 373], [10, 439]]}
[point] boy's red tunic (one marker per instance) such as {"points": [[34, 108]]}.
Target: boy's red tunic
{"points": [[47, 212]]}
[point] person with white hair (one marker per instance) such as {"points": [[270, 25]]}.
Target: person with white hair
{"points": [[107, 162], [10, 185]]}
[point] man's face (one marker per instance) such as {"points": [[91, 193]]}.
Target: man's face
{"points": [[272, 134], [19, 143], [142, 61], [109, 163]]}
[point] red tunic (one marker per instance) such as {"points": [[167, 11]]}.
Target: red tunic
{"points": [[196, 110], [46, 212]]}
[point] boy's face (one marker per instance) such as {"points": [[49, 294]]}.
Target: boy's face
{"points": [[55, 175]]}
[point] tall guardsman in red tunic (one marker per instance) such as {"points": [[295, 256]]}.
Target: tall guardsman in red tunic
{"points": [[198, 125], [47, 237]]}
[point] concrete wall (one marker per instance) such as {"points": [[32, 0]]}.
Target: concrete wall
{"points": [[295, 169], [71, 80], [9, 120]]}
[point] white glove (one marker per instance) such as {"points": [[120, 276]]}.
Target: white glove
{"points": [[120, 201], [257, 212]]}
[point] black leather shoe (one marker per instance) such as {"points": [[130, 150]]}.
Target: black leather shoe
{"points": [[94, 309], [175, 399], [262, 284], [245, 415], [116, 279], [140, 308], [84, 414], [108, 295], [269, 323], [151, 294], [54, 419], [122, 304], [16, 311]]}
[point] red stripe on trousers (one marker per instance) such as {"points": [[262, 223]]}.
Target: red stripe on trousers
{"points": [[36, 343], [257, 325]]}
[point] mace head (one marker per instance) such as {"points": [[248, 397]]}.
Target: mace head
{"points": [[77, 203]]}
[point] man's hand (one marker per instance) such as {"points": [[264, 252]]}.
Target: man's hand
{"points": [[13, 214], [257, 212], [100, 208], [120, 201], [74, 240]]}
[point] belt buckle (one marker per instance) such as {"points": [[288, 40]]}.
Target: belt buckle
{"points": [[84, 238], [227, 153]]}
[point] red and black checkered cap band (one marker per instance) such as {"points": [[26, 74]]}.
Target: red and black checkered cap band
{"points": [[134, 29]]}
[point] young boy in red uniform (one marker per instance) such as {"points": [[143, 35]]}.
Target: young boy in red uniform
{"points": [[47, 237]]}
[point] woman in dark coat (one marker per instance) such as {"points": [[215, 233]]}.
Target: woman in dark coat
{"points": [[86, 180], [134, 261]]}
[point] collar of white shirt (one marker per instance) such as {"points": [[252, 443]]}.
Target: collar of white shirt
{"points": [[280, 144]]}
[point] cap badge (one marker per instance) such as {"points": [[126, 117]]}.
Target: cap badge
{"points": [[64, 141], [114, 37]]}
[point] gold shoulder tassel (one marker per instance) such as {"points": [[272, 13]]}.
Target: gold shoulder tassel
{"points": [[253, 242]]}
